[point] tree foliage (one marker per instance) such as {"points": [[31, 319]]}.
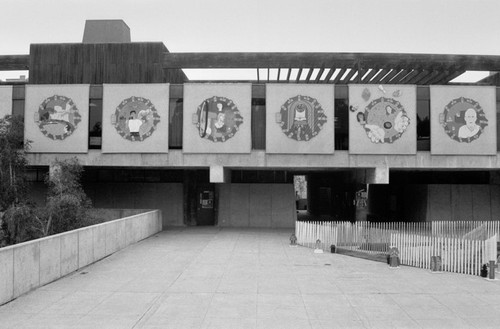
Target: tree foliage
{"points": [[13, 162], [15, 212], [67, 207]]}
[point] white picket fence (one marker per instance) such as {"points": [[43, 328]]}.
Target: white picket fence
{"points": [[308, 233], [463, 246], [458, 255]]}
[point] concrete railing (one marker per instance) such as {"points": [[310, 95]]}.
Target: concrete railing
{"points": [[32, 264]]}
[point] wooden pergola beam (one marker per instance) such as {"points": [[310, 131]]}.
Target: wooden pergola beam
{"points": [[339, 75], [380, 75], [370, 75], [389, 76], [14, 62], [349, 76], [276, 60], [329, 75], [320, 73]]}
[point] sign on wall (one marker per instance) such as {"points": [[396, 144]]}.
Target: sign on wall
{"points": [[300, 118], [382, 119], [56, 118], [463, 120], [5, 101], [135, 118], [217, 118]]}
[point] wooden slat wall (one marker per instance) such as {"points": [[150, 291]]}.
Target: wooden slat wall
{"points": [[100, 63]]}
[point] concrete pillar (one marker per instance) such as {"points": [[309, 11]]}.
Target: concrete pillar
{"points": [[219, 174], [377, 175]]}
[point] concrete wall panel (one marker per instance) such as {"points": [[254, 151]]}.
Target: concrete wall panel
{"points": [[111, 241], [439, 202], [129, 232], [99, 238], [121, 234], [481, 202], [6, 275], [50, 259], [169, 199], [240, 207], [256, 205], [85, 247], [224, 207], [283, 212], [461, 202], [69, 252], [260, 198], [26, 268], [495, 202]]}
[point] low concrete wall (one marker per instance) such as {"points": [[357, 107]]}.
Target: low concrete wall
{"points": [[32, 264]]}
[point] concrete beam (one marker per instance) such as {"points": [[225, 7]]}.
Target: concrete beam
{"points": [[260, 160]]}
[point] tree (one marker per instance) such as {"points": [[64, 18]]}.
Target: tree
{"points": [[12, 161], [15, 211], [67, 207]]}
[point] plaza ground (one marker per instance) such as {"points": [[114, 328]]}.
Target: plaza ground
{"points": [[248, 278]]}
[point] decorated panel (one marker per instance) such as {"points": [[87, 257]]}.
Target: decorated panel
{"points": [[135, 118], [56, 118], [217, 118], [5, 101], [382, 119], [463, 120], [300, 118]]}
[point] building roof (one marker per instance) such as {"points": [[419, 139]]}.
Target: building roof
{"points": [[340, 68]]}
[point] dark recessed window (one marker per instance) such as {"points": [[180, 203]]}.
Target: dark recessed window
{"points": [[175, 123], [95, 123]]}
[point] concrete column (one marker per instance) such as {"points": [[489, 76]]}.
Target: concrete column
{"points": [[219, 174], [377, 175]]}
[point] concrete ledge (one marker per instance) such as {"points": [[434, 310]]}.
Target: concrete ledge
{"points": [[28, 265], [260, 159]]}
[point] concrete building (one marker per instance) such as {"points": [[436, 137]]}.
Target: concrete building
{"points": [[379, 137]]}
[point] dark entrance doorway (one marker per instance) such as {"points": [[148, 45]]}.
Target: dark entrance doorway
{"points": [[205, 205]]}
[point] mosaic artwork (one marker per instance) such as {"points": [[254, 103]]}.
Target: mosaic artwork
{"points": [[463, 120], [135, 118], [301, 118], [383, 119], [217, 119], [57, 117]]}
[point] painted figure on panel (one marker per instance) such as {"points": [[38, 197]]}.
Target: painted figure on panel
{"points": [[384, 120], [57, 117], [217, 119], [470, 128], [135, 118], [301, 118], [463, 119]]}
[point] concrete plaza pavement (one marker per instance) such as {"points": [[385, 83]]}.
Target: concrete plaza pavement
{"points": [[249, 278]]}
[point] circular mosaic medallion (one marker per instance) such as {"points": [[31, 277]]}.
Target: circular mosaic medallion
{"points": [[463, 120], [384, 120], [217, 119], [135, 118], [57, 117], [301, 118]]}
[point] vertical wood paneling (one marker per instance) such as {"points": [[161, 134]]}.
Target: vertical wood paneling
{"points": [[100, 63]]}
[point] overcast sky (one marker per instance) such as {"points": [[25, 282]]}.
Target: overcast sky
{"points": [[389, 26]]}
